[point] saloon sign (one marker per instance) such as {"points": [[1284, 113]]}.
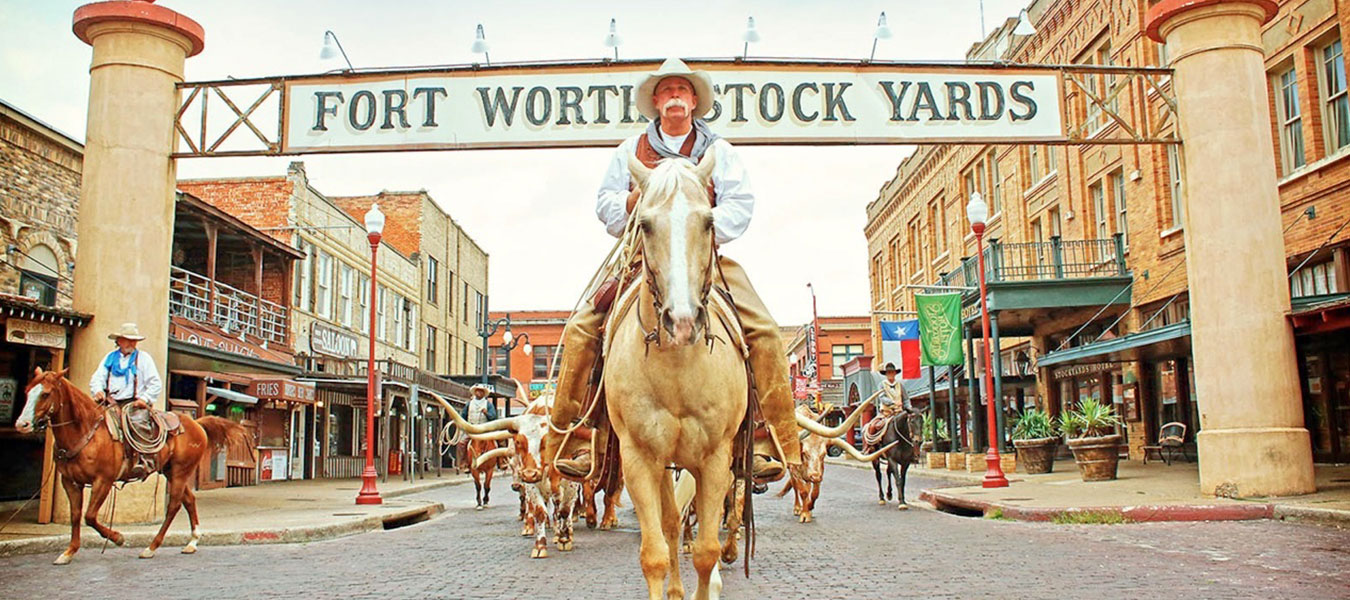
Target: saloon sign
{"points": [[589, 105], [325, 339]]}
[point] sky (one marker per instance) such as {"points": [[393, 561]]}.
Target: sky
{"points": [[533, 210]]}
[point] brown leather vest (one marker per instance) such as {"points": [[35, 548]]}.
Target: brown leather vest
{"points": [[650, 157]]}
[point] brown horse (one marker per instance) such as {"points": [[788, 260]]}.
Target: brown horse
{"points": [[88, 455]]}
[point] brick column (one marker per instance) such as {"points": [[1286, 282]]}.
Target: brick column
{"points": [[126, 198], [1252, 441]]}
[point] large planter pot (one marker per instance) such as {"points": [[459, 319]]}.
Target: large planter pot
{"points": [[975, 462], [956, 461], [936, 460], [1037, 455], [1097, 457]]}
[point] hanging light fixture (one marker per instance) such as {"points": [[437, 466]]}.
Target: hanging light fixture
{"points": [[612, 40], [332, 48], [1024, 26], [751, 35], [480, 45], [883, 32]]}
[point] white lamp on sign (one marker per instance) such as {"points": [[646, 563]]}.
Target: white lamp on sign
{"points": [[883, 32], [332, 48], [1024, 26], [612, 39], [751, 35], [480, 45]]}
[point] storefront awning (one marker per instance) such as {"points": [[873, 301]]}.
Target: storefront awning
{"points": [[212, 376], [1170, 340], [231, 395]]}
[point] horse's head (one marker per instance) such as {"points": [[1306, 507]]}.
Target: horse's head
{"points": [[675, 220], [41, 402]]}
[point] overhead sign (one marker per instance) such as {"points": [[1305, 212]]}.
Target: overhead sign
{"points": [[34, 333], [326, 339], [282, 389], [595, 105]]}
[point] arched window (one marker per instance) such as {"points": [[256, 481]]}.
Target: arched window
{"points": [[39, 277]]}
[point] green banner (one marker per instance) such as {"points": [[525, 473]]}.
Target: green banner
{"points": [[939, 329]]}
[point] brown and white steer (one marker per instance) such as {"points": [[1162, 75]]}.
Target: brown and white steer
{"points": [[804, 479], [549, 498]]}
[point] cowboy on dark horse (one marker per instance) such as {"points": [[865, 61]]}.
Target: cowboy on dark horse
{"points": [[128, 378], [893, 401]]}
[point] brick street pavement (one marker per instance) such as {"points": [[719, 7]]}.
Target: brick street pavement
{"points": [[856, 550]]}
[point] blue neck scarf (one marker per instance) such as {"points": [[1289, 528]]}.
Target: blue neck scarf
{"points": [[114, 364]]}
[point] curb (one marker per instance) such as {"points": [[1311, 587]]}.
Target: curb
{"points": [[308, 533], [1320, 516], [1138, 514]]}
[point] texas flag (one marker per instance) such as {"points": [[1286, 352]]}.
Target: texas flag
{"points": [[900, 345]]}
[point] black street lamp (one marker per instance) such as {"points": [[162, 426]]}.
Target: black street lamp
{"points": [[509, 343]]}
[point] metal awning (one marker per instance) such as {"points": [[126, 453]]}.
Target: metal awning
{"points": [[213, 376], [1169, 340], [231, 395]]}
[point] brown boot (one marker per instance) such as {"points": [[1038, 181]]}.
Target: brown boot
{"points": [[581, 348]]}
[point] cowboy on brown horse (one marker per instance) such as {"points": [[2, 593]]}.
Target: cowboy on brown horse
{"points": [[128, 381], [675, 98]]}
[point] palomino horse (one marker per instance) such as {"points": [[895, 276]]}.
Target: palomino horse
{"points": [[676, 385], [88, 455]]}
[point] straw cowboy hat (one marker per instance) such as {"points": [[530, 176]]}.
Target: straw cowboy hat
{"points": [[128, 331], [889, 368], [481, 386], [674, 67]]}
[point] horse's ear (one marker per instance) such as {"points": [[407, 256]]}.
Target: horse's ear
{"points": [[63, 372], [37, 372], [705, 166], [639, 172]]}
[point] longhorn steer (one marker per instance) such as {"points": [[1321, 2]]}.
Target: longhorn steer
{"points": [[548, 497], [804, 479]]}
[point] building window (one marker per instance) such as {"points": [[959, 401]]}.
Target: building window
{"points": [[842, 353], [499, 361], [363, 303], [324, 285], [1099, 211], [1118, 197], [432, 268], [431, 350], [1174, 184], [409, 325], [38, 274], [1337, 112], [346, 292], [480, 307], [941, 224], [304, 278], [543, 359], [1033, 165], [1050, 166], [1291, 120], [464, 356], [1314, 280], [400, 316], [381, 312], [449, 296], [465, 313], [995, 185], [1053, 215], [1094, 117], [342, 430]]}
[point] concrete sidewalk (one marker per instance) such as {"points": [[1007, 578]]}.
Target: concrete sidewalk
{"points": [[269, 513], [1154, 492]]}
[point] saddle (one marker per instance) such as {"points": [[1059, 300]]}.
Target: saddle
{"points": [[143, 431]]}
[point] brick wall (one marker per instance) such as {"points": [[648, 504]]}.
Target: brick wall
{"points": [[263, 202], [40, 176]]}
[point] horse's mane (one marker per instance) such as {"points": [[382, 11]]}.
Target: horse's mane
{"points": [[668, 176], [80, 402]]}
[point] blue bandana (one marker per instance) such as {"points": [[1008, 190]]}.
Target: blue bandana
{"points": [[114, 365]]}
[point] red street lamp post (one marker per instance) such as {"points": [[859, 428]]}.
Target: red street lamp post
{"points": [[978, 212], [368, 493]]}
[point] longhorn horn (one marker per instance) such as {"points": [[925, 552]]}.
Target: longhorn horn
{"points": [[492, 455], [842, 428], [495, 436], [858, 456], [489, 427]]}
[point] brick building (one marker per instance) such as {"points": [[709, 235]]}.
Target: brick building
{"points": [[40, 170], [453, 275], [1087, 243], [542, 330], [841, 339]]}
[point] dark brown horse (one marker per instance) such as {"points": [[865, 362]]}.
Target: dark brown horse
{"points": [[88, 455]]}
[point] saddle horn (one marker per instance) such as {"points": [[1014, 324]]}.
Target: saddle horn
{"points": [[498, 425], [858, 456], [842, 428]]}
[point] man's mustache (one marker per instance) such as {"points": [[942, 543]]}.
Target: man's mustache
{"points": [[674, 102]]}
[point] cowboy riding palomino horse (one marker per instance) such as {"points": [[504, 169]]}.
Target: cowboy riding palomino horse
{"points": [[87, 454]]}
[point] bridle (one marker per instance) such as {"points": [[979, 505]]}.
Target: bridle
{"points": [[43, 422], [653, 335]]}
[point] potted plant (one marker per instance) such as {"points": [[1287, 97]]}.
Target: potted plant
{"points": [[936, 452], [1095, 449], [1035, 437]]}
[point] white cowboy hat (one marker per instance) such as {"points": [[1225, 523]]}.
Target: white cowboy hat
{"points": [[481, 386], [128, 331], [674, 67]]}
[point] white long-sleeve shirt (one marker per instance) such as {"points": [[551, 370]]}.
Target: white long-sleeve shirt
{"points": [[119, 388], [735, 201]]}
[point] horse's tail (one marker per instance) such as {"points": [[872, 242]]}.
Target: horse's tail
{"points": [[221, 432]]}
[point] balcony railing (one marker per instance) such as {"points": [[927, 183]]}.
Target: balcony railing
{"points": [[1031, 261], [235, 310], [388, 368]]}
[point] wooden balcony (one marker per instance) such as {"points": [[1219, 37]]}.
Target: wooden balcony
{"points": [[198, 298]]}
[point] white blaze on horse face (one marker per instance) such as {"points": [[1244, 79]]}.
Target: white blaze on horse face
{"points": [[680, 299], [25, 422]]}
